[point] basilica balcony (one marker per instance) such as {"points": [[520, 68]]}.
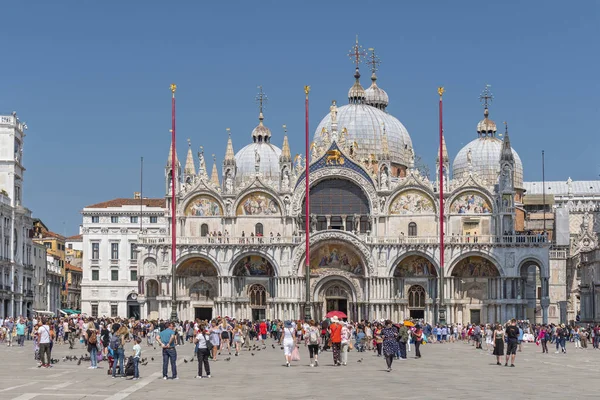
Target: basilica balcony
{"points": [[222, 240], [471, 240]]}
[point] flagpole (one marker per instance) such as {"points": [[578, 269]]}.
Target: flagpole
{"points": [[173, 211], [307, 311], [442, 307]]}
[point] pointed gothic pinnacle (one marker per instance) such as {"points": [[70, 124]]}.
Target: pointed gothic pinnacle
{"points": [[229, 154], [215, 175], [190, 167], [170, 158], [507, 154], [286, 155], [444, 151]]}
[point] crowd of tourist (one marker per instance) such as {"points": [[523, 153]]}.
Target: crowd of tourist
{"points": [[111, 339]]}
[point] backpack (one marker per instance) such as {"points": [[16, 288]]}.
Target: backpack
{"points": [[115, 342], [92, 338], [313, 336]]}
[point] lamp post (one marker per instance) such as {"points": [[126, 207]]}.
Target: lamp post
{"points": [[442, 307]]}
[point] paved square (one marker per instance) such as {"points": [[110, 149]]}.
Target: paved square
{"points": [[445, 371]]}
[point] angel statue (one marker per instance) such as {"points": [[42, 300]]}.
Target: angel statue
{"points": [[201, 159], [353, 149], [314, 151], [325, 137], [343, 137], [298, 163]]}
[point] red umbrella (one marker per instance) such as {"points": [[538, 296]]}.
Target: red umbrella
{"points": [[338, 314]]}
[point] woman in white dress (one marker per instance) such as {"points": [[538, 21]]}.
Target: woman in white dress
{"points": [[289, 341]]}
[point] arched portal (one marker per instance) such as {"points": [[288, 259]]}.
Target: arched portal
{"points": [[133, 307], [196, 280], [533, 287], [416, 301], [338, 204], [152, 292], [258, 301], [336, 294], [335, 255]]}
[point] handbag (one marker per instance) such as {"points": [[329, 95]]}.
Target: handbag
{"points": [[209, 344], [295, 354], [350, 345]]}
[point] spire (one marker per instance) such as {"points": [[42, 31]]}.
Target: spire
{"points": [[170, 158], [215, 175], [486, 127], [229, 154], [261, 133], [356, 94], [444, 152], [190, 168], [286, 155], [507, 154]]}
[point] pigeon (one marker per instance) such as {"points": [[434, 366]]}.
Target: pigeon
{"points": [[185, 361], [64, 359], [228, 359], [152, 358], [154, 347], [359, 360], [252, 354], [273, 345], [192, 360], [79, 362], [145, 363], [281, 347]]}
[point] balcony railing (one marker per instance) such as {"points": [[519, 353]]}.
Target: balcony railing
{"points": [[262, 240]]}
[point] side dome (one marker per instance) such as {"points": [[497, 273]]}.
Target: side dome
{"points": [[376, 96], [365, 125], [268, 154], [485, 155]]}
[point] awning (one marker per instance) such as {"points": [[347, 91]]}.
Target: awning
{"points": [[68, 311]]}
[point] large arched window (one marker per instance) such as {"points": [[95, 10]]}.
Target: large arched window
{"points": [[416, 297], [332, 200], [200, 291], [204, 230], [258, 296], [152, 288], [412, 229]]}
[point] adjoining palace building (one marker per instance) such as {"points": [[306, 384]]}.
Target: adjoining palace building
{"points": [[374, 222]]}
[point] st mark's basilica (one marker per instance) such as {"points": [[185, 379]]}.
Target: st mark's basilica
{"points": [[374, 226]]}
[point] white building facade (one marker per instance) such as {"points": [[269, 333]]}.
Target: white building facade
{"points": [[16, 248], [110, 263], [374, 222]]}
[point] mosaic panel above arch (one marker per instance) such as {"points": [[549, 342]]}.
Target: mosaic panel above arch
{"points": [[203, 206], [475, 267], [333, 256], [411, 202], [258, 204], [196, 267], [470, 203], [415, 266], [253, 265]]}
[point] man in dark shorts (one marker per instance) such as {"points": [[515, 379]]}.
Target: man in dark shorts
{"points": [[512, 335]]}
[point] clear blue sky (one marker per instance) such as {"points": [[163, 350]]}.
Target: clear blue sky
{"points": [[91, 79]]}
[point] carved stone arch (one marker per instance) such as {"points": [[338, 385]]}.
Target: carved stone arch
{"points": [[455, 261], [149, 266], [533, 260], [207, 257], [258, 189], [320, 283], [253, 252], [189, 197], [417, 188], [403, 256], [335, 173], [486, 194], [343, 236]]}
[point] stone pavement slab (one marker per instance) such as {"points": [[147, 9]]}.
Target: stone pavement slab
{"points": [[446, 371]]}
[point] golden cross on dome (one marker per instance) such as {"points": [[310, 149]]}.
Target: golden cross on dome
{"points": [[486, 96], [357, 54], [261, 98], [374, 61], [228, 131]]}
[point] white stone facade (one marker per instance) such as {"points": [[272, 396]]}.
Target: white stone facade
{"points": [[110, 233], [16, 248]]}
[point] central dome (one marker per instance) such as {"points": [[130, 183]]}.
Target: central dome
{"points": [[245, 160], [365, 125]]}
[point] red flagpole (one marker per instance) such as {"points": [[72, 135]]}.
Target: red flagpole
{"points": [[442, 315], [307, 211], [173, 201]]}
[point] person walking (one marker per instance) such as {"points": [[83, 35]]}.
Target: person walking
{"points": [[289, 341], [498, 343], [418, 335], [345, 343], [312, 339], [378, 339], [203, 346], [335, 335], [45, 342], [512, 334], [92, 343], [403, 339], [215, 338], [543, 338], [21, 332], [167, 340], [390, 343]]}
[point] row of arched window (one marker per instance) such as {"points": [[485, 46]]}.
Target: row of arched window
{"points": [[258, 229]]}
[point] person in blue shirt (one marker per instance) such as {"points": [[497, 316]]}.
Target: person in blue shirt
{"points": [[21, 332], [167, 340], [520, 337]]}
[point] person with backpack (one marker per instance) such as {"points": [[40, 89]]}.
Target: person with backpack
{"points": [[117, 345], [92, 343], [203, 351]]}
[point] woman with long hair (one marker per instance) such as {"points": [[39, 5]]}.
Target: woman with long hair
{"points": [[498, 343], [378, 339], [215, 338], [418, 337], [390, 346], [312, 339], [237, 338], [289, 341]]}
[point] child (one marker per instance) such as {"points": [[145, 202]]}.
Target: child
{"points": [[137, 352]]}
